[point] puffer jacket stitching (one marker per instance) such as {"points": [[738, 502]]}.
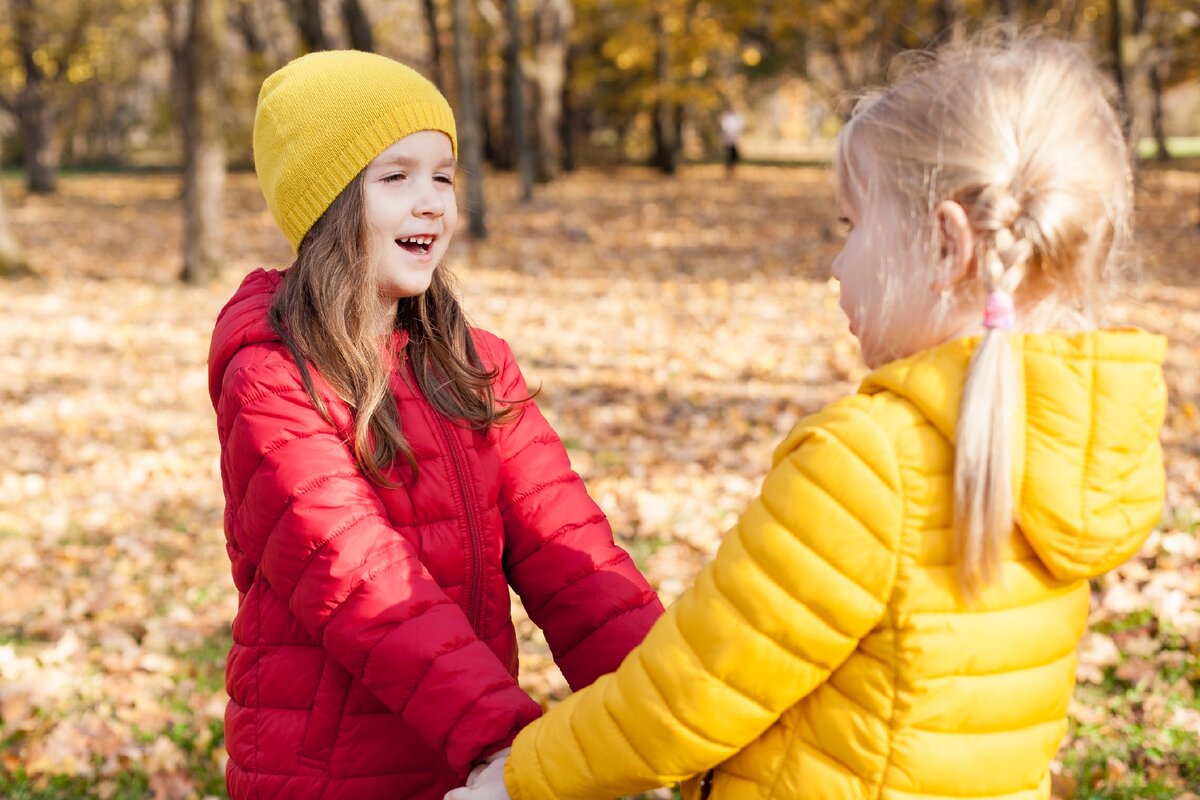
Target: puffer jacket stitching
{"points": [[793, 732], [863, 415], [568, 581], [573, 526], [302, 489], [1070, 647], [541, 439], [617, 724], [264, 390], [604, 621], [428, 523], [345, 527], [413, 618], [343, 602], [849, 578], [568, 478], [485, 694], [786, 648], [258, 679], [425, 672], [707, 669], [818, 483], [541, 770], [1087, 457], [1018, 729], [892, 612], [830, 757], [830, 685]]}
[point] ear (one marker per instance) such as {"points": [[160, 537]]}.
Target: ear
{"points": [[954, 242]]}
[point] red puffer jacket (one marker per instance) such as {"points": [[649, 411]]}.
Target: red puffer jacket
{"points": [[374, 655]]}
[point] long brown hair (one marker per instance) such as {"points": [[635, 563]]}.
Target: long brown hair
{"points": [[326, 313]]}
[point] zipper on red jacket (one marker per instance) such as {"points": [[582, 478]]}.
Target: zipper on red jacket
{"points": [[474, 600]]}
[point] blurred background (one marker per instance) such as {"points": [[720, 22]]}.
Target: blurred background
{"points": [[677, 312]]}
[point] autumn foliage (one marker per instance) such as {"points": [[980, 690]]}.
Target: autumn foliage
{"points": [[677, 328]]}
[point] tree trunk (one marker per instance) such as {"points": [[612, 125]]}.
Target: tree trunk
{"points": [[12, 260], [35, 120], [1157, 71], [554, 19], [251, 38], [470, 140], [438, 67], [516, 101], [493, 114], [1134, 56], [35, 117], [569, 117], [358, 26], [204, 161], [949, 20], [310, 25], [665, 148], [1116, 42]]}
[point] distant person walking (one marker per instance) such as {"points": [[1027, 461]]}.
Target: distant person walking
{"points": [[732, 124]]}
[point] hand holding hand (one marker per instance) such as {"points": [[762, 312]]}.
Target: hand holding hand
{"points": [[486, 781]]}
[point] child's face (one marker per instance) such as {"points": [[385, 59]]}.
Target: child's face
{"points": [[893, 312], [410, 211]]}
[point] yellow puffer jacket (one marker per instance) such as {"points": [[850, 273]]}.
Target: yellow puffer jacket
{"points": [[826, 654]]}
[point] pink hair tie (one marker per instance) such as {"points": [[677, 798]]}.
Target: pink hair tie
{"points": [[999, 313]]}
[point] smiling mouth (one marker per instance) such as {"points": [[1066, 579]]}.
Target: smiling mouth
{"points": [[417, 245]]}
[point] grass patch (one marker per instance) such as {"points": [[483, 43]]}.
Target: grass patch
{"points": [[131, 785], [206, 661], [1177, 146], [1142, 618], [1138, 765]]}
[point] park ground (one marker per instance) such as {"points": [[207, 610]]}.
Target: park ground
{"points": [[678, 328]]}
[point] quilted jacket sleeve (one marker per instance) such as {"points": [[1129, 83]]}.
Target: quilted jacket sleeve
{"points": [[577, 585], [322, 540], [803, 576]]}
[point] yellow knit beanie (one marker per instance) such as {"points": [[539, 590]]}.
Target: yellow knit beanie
{"points": [[324, 117]]}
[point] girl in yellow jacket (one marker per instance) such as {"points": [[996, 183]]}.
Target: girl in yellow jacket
{"points": [[896, 615]]}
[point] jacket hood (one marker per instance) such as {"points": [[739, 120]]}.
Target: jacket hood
{"points": [[242, 322], [1088, 464]]}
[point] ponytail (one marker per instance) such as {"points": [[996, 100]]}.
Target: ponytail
{"points": [[984, 505], [983, 491]]}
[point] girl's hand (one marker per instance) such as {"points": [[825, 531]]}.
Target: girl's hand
{"points": [[486, 783]]}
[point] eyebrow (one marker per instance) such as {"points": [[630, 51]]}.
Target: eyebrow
{"points": [[405, 161]]}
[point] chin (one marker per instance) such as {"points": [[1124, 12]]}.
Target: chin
{"points": [[410, 286]]}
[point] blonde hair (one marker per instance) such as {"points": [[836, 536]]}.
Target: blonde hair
{"points": [[1021, 132]]}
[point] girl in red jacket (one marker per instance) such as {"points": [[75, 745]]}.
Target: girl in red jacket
{"points": [[386, 475]]}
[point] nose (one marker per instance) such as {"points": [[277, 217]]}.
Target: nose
{"points": [[429, 202], [836, 269]]}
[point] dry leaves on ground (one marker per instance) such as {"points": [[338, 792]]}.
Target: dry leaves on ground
{"points": [[678, 328]]}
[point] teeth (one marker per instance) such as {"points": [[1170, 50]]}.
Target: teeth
{"points": [[425, 240]]}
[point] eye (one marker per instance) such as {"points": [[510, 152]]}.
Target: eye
{"points": [[846, 225], [392, 177], [446, 179]]}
